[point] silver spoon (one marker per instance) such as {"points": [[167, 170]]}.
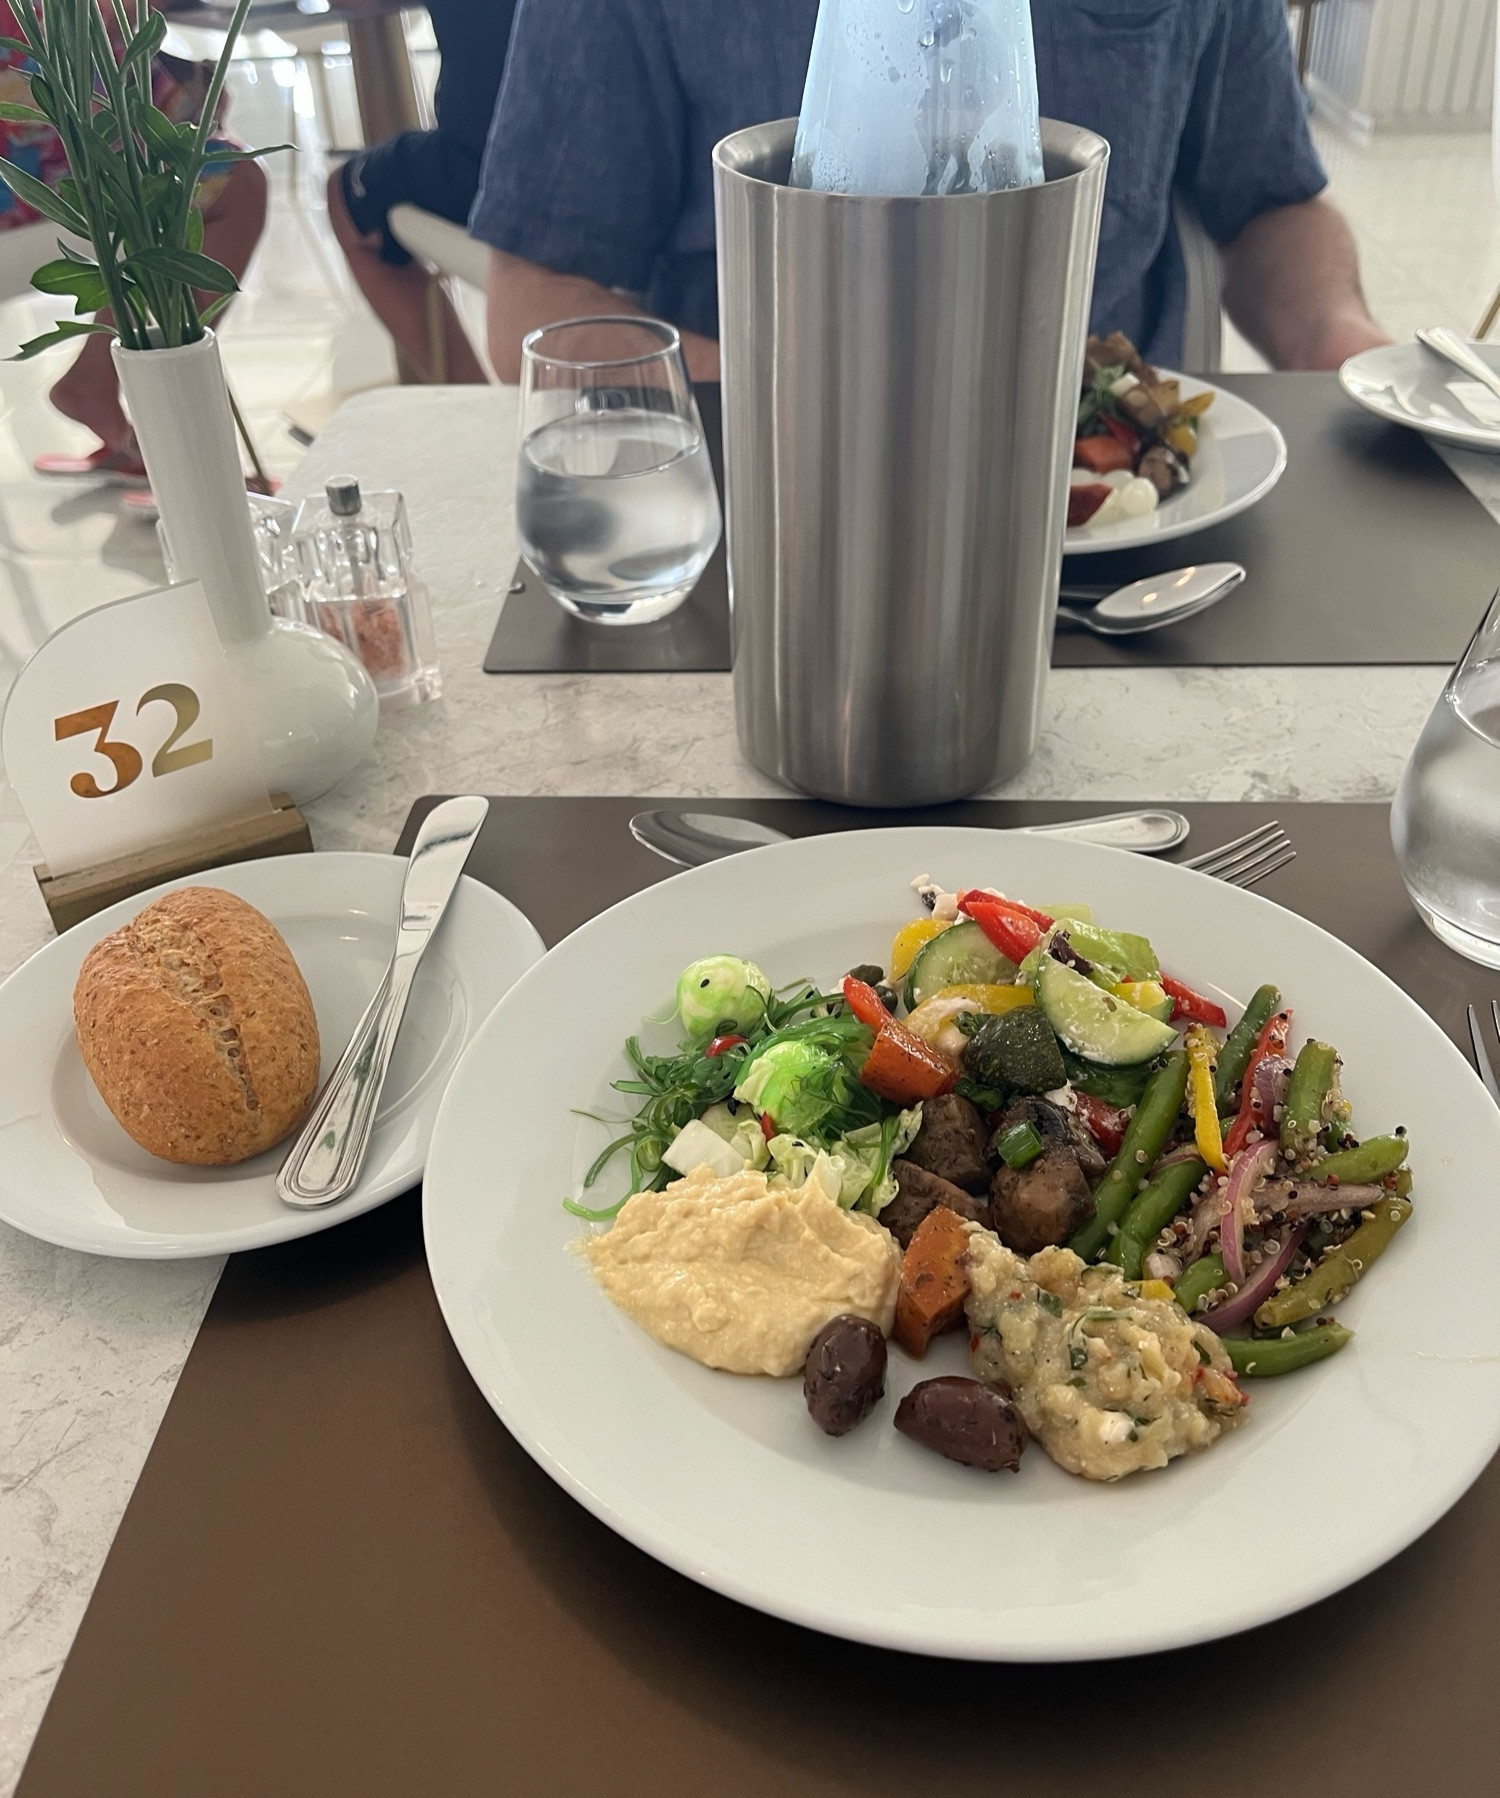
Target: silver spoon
{"points": [[692, 838], [1159, 599], [323, 1164], [1452, 348]]}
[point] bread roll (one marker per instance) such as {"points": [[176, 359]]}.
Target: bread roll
{"points": [[196, 1025]]}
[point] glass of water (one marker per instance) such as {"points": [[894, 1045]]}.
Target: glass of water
{"points": [[615, 501], [1445, 822]]}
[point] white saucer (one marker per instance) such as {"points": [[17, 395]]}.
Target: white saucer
{"points": [[1410, 386], [70, 1175]]}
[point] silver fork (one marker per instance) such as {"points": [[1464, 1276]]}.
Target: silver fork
{"points": [[1481, 1057], [1247, 860]]}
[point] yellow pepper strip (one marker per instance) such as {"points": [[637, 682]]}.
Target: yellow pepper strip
{"points": [[993, 999], [1196, 406], [1201, 1099], [1182, 436], [1149, 996], [909, 939], [1155, 1289]]}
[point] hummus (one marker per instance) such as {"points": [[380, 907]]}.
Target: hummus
{"points": [[1109, 1382], [742, 1275]]}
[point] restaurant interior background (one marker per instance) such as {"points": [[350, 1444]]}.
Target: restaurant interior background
{"points": [[1402, 118]]}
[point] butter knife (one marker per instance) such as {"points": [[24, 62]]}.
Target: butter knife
{"points": [[324, 1163]]}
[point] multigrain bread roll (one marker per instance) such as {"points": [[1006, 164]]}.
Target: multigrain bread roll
{"points": [[196, 1025]]}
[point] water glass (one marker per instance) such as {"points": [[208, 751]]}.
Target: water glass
{"points": [[616, 507], [1445, 821]]}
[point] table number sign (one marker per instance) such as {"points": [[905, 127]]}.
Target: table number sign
{"points": [[125, 730]]}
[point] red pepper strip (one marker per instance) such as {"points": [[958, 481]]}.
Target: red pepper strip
{"points": [[1011, 907], [767, 1127], [1190, 1005], [1272, 1041], [904, 1069], [1105, 1123], [1012, 935], [1119, 430], [865, 1002], [721, 1045]]}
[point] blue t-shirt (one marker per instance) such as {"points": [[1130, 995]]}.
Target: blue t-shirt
{"points": [[599, 158]]}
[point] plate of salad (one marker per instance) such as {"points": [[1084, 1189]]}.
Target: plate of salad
{"points": [[960, 1240], [1159, 455]]}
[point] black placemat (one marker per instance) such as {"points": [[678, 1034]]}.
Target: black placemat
{"points": [[535, 635], [1369, 550], [339, 1575]]}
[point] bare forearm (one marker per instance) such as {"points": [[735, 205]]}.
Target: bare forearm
{"points": [[523, 296], [1291, 285]]}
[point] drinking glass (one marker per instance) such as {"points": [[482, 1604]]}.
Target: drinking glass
{"points": [[616, 507], [1445, 821]]}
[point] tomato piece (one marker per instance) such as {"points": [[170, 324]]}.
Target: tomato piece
{"points": [[1190, 1005], [1101, 455], [1084, 501], [904, 1069], [865, 1002], [1107, 1124], [721, 1044]]}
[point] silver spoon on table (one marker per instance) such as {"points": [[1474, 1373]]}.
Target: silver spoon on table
{"points": [[692, 838], [323, 1164], [1146, 605]]}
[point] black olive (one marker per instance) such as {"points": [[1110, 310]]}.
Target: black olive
{"points": [[970, 1421], [844, 1376], [886, 995], [869, 972]]}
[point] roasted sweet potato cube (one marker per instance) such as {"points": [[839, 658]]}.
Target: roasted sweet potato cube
{"points": [[934, 1281]]}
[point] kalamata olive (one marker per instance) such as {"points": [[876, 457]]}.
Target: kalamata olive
{"points": [[868, 971], [845, 1373], [966, 1420]]}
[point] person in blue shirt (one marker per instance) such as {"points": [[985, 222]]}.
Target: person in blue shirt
{"points": [[598, 180], [437, 170]]}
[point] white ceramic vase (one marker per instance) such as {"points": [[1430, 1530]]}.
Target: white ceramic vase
{"points": [[314, 708]]}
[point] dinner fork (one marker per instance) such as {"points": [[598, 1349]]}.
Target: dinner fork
{"points": [[1481, 1057], [1246, 860]]}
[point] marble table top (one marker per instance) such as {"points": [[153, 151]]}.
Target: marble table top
{"points": [[90, 1349]]}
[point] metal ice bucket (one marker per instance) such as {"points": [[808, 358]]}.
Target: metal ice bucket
{"points": [[901, 382]]}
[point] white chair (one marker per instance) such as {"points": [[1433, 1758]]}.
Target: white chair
{"points": [[1203, 314], [449, 254]]}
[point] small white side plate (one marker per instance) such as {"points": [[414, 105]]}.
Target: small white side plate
{"points": [[1407, 385], [1241, 456], [70, 1175]]}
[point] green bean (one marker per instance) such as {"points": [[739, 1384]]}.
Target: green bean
{"points": [[1372, 1159], [1198, 1279], [1334, 1276], [1234, 1057], [1144, 1141], [1149, 1212], [1307, 1090], [1270, 1355]]}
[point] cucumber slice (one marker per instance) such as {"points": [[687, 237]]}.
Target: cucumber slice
{"points": [[961, 956], [1093, 1023]]}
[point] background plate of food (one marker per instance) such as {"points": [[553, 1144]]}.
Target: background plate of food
{"points": [[155, 1059], [1159, 455], [1245, 1512]]}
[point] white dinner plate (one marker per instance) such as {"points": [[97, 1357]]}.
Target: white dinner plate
{"points": [[70, 1175], [726, 1478], [1241, 456], [1411, 386]]}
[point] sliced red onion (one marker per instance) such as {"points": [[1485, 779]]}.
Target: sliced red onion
{"points": [[1307, 1199], [1205, 1218], [1259, 1287], [1268, 1089], [1186, 1151], [1246, 1172]]}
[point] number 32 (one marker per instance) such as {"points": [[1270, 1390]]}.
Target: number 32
{"points": [[124, 756]]}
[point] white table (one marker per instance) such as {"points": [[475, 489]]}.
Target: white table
{"points": [[90, 1349]]}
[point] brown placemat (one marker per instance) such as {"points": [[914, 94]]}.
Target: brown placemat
{"points": [[1369, 550], [338, 1574], [534, 635]]}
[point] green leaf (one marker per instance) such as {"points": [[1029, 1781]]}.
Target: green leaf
{"points": [[189, 266], [68, 329], [214, 307], [14, 114], [193, 232], [173, 143], [47, 201], [83, 280], [146, 41]]}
